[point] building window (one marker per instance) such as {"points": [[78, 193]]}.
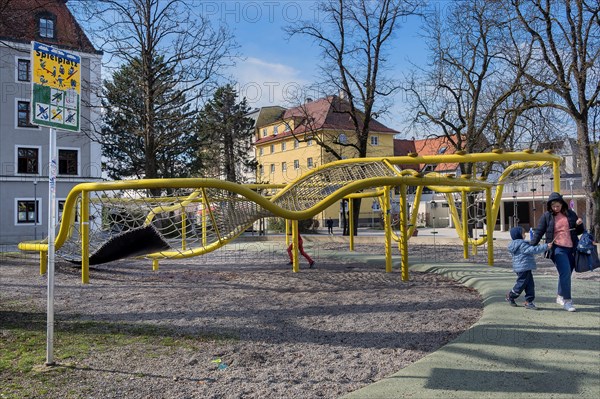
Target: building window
{"points": [[296, 164], [28, 160], [283, 167], [260, 151], [275, 130], [374, 140], [309, 162], [309, 142], [272, 148], [264, 132], [283, 146], [442, 150], [27, 212], [67, 162], [46, 26], [23, 70], [296, 143], [23, 114], [261, 170], [272, 168], [342, 138]]}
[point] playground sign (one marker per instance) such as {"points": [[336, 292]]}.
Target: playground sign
{"points": [[56, 91]]}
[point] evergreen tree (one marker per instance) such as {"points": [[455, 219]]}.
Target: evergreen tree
{"points": [[227, 136], [127, 147]]}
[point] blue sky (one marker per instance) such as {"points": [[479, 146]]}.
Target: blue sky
{"points": [[274, 65]]}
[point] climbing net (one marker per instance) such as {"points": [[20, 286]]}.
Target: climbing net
{"points": [[185, 221], [177, 220]]}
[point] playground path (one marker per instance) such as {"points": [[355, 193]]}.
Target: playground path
{"points": [[509, 352]]}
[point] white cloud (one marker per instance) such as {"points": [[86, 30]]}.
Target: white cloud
{"points": [[264, 83]]}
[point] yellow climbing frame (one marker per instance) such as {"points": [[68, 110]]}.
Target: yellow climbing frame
{"points": [[285, 203]]}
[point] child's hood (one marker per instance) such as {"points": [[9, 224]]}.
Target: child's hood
{"points": [[514, 245]]}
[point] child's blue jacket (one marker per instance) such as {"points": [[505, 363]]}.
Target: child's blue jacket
{"points": [[523, 254]]}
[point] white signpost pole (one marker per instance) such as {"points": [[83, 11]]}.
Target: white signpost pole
{"points": [[52, 172], [56, 102]]}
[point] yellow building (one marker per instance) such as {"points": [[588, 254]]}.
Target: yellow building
{"points": [[289, 147]]}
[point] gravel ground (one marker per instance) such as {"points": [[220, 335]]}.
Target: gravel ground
{"points": [[319, 333]]}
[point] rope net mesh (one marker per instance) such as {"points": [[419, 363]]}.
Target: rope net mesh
{"points": [[180, 220]]}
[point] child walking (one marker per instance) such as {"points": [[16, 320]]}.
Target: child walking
{"points": [[311, 263], [523, 262]]}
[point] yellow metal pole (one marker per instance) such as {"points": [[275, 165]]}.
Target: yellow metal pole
{"points": [[43, 262], [388, 229], [351, 222], [490, 222], [465, 224], [287, 231], [84, 228], [295, 263], [155, 264], [556, 172], [204, 218], [403, 233], [183, 227]]}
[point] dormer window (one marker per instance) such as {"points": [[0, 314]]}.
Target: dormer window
{"points": [[275, 130], [47, 26]]}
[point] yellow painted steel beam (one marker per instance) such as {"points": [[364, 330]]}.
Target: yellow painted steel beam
{"points": [[490, 222], [85, 234], [403, 234], [295, 261], [387, 222], [351, 224]]}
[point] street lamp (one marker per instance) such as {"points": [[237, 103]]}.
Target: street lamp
{"points": [[572, 200], [35, 209]]}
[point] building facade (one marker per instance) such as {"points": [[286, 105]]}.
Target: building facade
{"points": [[288, 147], [24, 147]]}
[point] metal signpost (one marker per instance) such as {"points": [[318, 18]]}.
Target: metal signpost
{"points": [[55, 100]]}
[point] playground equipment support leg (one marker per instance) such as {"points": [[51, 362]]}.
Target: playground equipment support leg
{"points": [[43, 262], [465, 223], [351, 222], [403, 233], [295, 261], [85, 237], [388, 229], [489, 225]]}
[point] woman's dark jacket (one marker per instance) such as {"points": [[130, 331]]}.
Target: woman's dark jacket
{"points": [[546, 223]]}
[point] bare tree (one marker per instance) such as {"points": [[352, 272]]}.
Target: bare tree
{"points": [[470, 93], [564, 59], [161, 37], [355, 37]]}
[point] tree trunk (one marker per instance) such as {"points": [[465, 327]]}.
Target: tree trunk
{"points": [[592, 202]]}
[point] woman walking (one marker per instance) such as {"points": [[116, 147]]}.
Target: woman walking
{"points": [[561, 226]]}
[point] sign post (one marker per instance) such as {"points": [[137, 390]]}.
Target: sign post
{"points": [[55, 99]]}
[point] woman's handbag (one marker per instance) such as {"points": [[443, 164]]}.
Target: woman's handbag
{"points": [[586, 254]]}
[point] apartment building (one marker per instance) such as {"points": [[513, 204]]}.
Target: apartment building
{"points": [[287, 147], [24, 147]]}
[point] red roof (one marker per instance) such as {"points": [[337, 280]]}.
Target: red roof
{"points": [[325, 113], [19, 24], [429, 146]]}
